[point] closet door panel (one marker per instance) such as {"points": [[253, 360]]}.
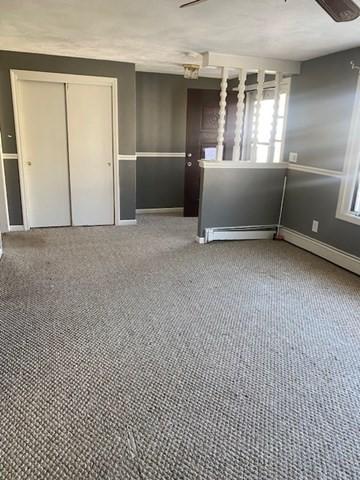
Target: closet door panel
{"points": [[42, 118], [90, 137]]}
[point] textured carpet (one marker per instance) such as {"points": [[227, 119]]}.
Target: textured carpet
{"points": [[134, 353]]}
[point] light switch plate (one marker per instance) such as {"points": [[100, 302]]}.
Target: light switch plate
{"points": [[293, 157], [315, 226]]}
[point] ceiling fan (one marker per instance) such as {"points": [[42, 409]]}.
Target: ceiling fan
{"points": [[339, 10]]}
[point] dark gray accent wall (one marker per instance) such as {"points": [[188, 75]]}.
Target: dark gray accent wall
{"points": [[13, 191], [123, 72], [311, 197], [160, 182], [320, 111], [161, 102], [127, 174], [235, 197]]}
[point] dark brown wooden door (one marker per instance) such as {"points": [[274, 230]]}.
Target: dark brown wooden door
{"points": [[201, 139]]}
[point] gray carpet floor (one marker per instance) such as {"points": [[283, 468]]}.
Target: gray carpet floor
{"points": [[134, 353]]}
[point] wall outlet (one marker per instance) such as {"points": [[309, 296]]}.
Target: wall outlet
{"points": [[315, 226], [293, 157]]}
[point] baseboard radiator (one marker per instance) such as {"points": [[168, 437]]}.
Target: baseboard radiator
{"points": [[252, 232]]}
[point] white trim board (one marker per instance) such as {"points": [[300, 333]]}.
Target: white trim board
{"points": [[17, 228], [126, 157], [10, 156], [200, 240], [332, 254], [242, 164], [161, 154], [24, 75], [351, 166], [124, 223], [315, 170], [159, 210], [20, 228], [251, 64], [61, 77]]}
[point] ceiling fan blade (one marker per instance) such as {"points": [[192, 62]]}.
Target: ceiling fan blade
{"points": [[193, 3], [340, 10]]}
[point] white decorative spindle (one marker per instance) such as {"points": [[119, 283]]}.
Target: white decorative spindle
{"points": [[277, 91], [222, 116], [259, 97], [239, 116]]}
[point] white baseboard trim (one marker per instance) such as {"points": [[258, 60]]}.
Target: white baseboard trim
{"points": [[200, 240], [127, 222], [332, 254], [159, 210], [253, 232], [17, 228]]}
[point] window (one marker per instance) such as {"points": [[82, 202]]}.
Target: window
{"points": [[355, 207], [265, 123], [349, 198]]}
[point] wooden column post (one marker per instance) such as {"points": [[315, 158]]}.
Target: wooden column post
{"points": [[259, 97], [277, 92], [239, 116], [222, 116]]}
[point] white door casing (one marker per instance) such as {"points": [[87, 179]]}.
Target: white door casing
{"points": [[108, 129], [89, 118]]}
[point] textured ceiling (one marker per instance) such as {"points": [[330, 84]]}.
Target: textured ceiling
{"points": [[157, 32]]}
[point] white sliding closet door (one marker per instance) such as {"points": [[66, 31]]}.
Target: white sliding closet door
{"points": [[90, 136], [42, 119]]}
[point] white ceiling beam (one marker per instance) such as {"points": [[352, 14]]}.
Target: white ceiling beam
{"points": [[251, 64]]}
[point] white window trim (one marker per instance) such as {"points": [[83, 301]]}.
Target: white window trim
{"points": [[351, 166], [285, 87]]}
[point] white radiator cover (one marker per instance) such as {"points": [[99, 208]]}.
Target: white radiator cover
{"points": [[253, 232]]}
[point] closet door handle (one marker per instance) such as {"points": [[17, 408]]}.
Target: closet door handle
{"points": [[28, 163], [108, 164]]}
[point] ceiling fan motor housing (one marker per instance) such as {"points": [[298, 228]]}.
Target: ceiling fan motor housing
{"points": [[340, 10]]}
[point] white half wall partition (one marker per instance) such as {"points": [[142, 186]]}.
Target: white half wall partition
{"points": [[241, 199]]}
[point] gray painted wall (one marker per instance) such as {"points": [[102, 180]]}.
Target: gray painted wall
{"points": [[161, 127], [127, 174], [235, 197], [160, 182], [13, 191], [125, 75], [311, 197], [320, 110]]}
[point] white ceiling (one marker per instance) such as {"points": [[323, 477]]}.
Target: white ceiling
{"points": [[156, 33]]}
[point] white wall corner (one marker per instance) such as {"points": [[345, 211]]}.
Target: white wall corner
{"points": [[200, 240]]}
